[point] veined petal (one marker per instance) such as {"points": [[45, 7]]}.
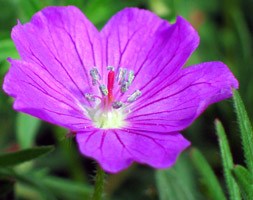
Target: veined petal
{"points": [[38, 94], [62, 41], [115, 150], [140, 41], [175, 106]]}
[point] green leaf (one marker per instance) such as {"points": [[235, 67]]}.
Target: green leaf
{"points": [[27, 127], [15, 158], [209, 179], [246, 130], [227, 161], [176, 183], [244, 180]]}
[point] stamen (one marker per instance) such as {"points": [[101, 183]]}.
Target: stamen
{"points": [[121, 75], [110, 83], [103, 90], [117, 104], [94, 75], [89, 97], [122, 79], [130, 77], [134, 96], [124, 87], [110, 68]]}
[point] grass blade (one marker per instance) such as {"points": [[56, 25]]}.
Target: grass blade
{"points": [[15, 158], [246, 130], [209, 179], [244, 180], [227, 161], [177, 183]]}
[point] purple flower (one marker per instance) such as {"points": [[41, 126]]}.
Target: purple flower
{"points": [[122, 90]]}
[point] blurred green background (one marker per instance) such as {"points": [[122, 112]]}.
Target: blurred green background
{"points": [[225, 28]]}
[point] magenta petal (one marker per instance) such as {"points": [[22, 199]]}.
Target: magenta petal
{"points": [[38, 94], [63, 42], [115, 150], [174, 106], [141, 41]]}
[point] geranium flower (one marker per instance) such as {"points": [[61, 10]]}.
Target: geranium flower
{"points": [[123, 90]]}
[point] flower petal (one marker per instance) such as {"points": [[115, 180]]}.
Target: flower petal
{"points": [[174, 106], [140, 41], [115, 150], [38, 94], [63, 42]]}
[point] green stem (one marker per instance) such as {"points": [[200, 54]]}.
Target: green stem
{"points": [[99, 184]]}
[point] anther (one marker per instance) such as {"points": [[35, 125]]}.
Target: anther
{"points": [[117, 104], [110, 68], [94, 75], [121, 75], [103, 90], [130, 77], [124, 87], [89, 97], [134, 96]]}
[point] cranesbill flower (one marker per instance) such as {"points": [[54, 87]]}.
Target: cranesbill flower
{"points": [[123, 90]]}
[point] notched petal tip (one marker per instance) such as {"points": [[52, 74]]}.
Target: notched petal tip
{"points": [[186, 27], [19, 22], [216, 82], [225, 74], [9, 59], [8, 84]]}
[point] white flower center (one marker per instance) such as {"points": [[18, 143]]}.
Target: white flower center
{"points": [[111, 119]]}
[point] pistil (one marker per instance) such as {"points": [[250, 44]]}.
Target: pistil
{"points": [[110, 84]]}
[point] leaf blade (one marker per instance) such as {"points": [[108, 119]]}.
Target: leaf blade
{"points": [[173, 183], [246, 130], [227, 162], [244, 180], [15, 158], [210, 180]]}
